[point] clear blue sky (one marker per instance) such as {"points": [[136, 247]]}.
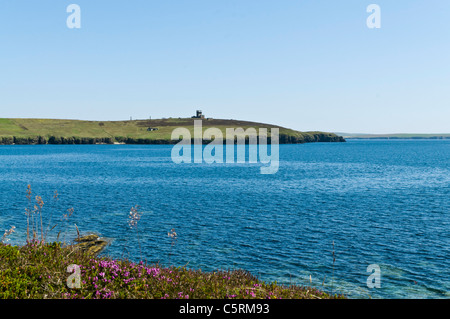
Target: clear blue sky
{"points": [[306, 65]]}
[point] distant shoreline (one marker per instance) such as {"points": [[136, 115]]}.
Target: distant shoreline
{"points": [[400, 138], [418, 136]]}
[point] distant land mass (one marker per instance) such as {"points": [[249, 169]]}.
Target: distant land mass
{"points": [[151, 131], [394, 136]]}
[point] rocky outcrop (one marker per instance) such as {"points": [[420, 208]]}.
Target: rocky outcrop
{"points": [[310, 137], [91, 244], [327, 137]]}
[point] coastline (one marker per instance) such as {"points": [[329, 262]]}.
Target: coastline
{"points": [[73, 140]]}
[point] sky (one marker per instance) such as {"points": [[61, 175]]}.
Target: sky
{"points": [[307, 65]]}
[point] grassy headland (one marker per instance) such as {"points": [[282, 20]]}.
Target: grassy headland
{"points": [[53, 131]]}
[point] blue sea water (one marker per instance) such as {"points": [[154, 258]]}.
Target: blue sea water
{"points": [[384, 202]]}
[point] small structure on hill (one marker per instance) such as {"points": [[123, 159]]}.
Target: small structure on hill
{"points": [[199, 115]]}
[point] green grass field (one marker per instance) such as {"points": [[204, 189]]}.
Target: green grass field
{"points": [[25, 131]]}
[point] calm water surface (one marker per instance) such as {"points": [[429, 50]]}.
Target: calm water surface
{"points": [[384, 202]]}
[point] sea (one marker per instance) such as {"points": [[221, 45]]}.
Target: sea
{"points": [[365, 218]]}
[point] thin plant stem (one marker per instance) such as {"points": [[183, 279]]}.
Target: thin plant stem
{"points": [[139, 242], [334, 261]]}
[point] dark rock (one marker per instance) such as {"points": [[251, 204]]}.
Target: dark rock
{"points": [[91, 244]]}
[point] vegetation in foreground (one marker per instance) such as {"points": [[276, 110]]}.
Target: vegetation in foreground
{"points": [[39, 271]]}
